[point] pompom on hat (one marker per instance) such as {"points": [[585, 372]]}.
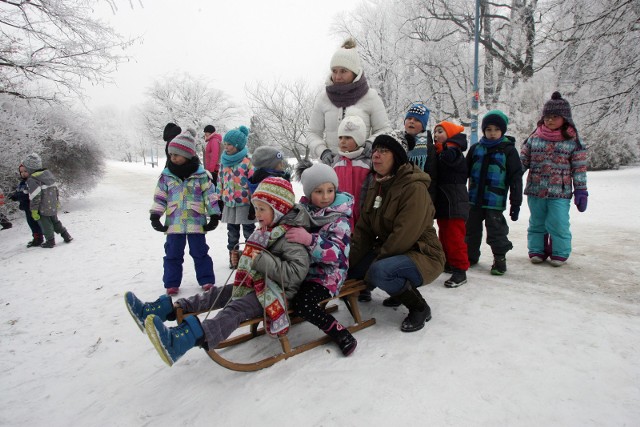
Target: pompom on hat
{"points": [[184, 144], [419, 112], [237, 137], [497, 118], [32, 163], [354, 127], [347, 57], [277, 193], [558, 106], [266, 157]]}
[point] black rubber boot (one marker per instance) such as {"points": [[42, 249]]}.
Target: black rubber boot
{"points": [[419, 310]]}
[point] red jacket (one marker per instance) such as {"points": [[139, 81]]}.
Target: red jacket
{"points": [[351, 177], [212, 153]]}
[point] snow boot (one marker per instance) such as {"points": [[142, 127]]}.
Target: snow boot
{"points": [[38, 239], [447, 268], [537, 258], [557, 261], [173, 343], [162, 307], [499, 266], [419, 310], [49, 243], [341, 336], [458, 278], [66, 236], [365, 296], [392, 302], [173, 291]]}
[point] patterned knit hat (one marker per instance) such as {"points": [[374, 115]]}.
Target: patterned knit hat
{"points": [[419, 112], [209, 129], [184, 144], [347, 57], [316, 175], [398, 147], [558, 106], [171, 130], [496, 118], [237, 137], [32, 163], [277, 193], [451, 129], [266, 157], [354, 127]]}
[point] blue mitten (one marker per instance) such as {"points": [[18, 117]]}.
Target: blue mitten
{"points": [[580, 198]]}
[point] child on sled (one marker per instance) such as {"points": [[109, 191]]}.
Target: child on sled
{"points": [[267, 258]]}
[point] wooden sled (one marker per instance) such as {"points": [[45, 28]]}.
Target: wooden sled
{"points": [[348, 294]]}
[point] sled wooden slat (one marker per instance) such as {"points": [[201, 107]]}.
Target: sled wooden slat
{"points": [[348, 294]]}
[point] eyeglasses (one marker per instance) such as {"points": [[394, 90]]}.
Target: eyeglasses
{"points": [[381, 150]]}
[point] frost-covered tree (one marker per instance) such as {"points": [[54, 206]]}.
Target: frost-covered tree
{"points": [[189, 101], [49, 47], [284, 109]]}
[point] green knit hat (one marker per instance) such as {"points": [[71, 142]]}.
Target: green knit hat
{"points": [[495, 117]]}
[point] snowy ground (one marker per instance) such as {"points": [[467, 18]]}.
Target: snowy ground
{"points": [[538, 346]]}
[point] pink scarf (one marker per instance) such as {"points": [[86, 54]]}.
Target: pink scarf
{"points": [[553, 135]]}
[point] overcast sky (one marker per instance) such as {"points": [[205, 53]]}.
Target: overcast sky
{"points": [[233, 43]]}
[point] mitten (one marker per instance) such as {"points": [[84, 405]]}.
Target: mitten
{"points": [[448, 155], [213, 223], [156, 224], [35, 215], [327, 157], [514, 212], [580, 198], [299, 235], [252, 212], [366, 148]]}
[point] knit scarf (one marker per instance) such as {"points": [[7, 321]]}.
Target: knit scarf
{"points": [[184, 171], [230, 160], [351, 154], [553, 135], [344, 96], [490, 142], [248, 280], [418, 154]]}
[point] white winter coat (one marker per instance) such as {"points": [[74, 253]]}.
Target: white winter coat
{"points": [[325, 118]]}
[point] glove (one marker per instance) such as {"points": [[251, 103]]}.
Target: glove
{"points": [[156, 224], [327, 157], [252, 212], [213, 223], [580, 199], [366, 148], [514, 212], [35, 215], [448, 155], [299, 235], [14, 196]]}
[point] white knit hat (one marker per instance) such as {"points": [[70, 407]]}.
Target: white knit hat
{"points": [[347, 57], [354, 127]]}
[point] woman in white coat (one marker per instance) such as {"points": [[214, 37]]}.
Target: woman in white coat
{"points": [[347, 93]]}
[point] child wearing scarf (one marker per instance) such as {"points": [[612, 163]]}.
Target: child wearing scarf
{"points": [[233, 189], [557, 162], [494, 170], [269, 274]]}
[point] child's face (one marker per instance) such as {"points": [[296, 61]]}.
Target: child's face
{"points": [[553, 122], [413, 126], [24, 174], [493, 132], [323, 195], [230, 149], [177, 159], [439, 135], [342, 76], [264, 213], [347, 144]]}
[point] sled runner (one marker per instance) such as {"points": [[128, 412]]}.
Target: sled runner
{"points": [[348, 294]]}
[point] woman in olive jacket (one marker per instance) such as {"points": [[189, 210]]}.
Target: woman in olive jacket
{"points": [[395, 246]]}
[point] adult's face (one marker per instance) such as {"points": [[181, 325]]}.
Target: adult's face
{"points": [[382, 160], [342, 76]]}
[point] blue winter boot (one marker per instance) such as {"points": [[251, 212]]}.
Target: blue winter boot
{"points": [[173, 343], [162, 307]]}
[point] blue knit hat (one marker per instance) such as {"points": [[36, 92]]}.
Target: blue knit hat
{"points": [[419, 112], [237, 137]]}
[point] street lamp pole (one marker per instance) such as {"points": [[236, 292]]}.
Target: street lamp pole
{"points": [[476, 94]]}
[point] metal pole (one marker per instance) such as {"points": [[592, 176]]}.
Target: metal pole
{"points": [[476, 94]]}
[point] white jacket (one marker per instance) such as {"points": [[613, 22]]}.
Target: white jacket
{"points": [[326, 117]]}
